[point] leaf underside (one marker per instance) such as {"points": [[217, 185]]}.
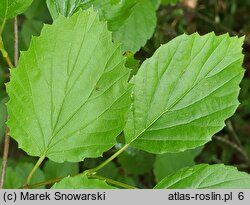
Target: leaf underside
{"points": [[206, 176], [81, 182], [184, 93], [69, 94]]}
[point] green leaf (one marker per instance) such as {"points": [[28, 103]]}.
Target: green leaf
{"points": [[11, 8], [206, 176], [3, 117], [81, 182], [115, 12], [54, 170], [168, 163], [64, 7], [184, 93], [138, 28], [134, 161], [16, 176], [69, 94], [131, 21], [156, 3]]}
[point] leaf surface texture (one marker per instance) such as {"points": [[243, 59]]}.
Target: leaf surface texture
{"points": [[206, 176], [183, 94], [69, 94], [11, 8]]}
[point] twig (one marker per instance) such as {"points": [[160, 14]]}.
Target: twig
{"points": [[94, 170], [16, 41], [237, 139], [2, 26], [234, 146], [113, 182], [52, 181], [6, 56], [233, 133], [5, 157], [32, 186], [5, 53]]}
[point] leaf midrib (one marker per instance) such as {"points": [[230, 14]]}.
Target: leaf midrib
{"points": [[178, 100]]}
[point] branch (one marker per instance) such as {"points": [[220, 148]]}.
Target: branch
{"points": [[2, 26], [234, 146], [233, 133], [113, 182], [94, 170], [5, 53], [32, 186], [16, 41], [52, 181], [5, 157], [7, 58]]}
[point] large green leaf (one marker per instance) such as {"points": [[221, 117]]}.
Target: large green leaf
{"points": [[168, 163], [81, 182], [131, 21], [69, 95], [11, 8], [55, 170], [206, 176], [183, 94]]}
